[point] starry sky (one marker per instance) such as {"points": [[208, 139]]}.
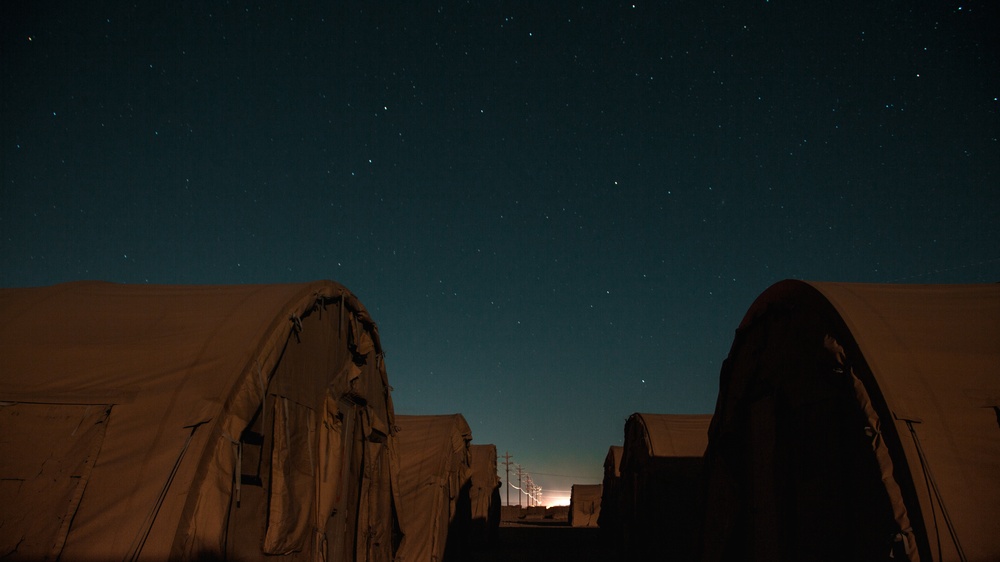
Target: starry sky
{"points": [[556, 212]]}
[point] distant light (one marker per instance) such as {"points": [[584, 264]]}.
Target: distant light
{"points": [[554, 500]]}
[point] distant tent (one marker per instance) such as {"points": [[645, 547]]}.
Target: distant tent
{"points": [[859, 422], [484, 494], [154, 422], [610, 518], [432, 495], [661, 484], [584, 505]]}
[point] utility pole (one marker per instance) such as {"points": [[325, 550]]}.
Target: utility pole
{"points": [[520, 472], [530, 490], [507, 464]]}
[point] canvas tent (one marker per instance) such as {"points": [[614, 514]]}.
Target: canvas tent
{"points": [[859, 422], [584, 505], [610, 519], [432, 491], [154, 422], [484, 493], [661, 471]]}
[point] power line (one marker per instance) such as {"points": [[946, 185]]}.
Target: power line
{"points": [[561, 475]]}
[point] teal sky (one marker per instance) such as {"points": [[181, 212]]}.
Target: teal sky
{"points": [[556, 213]]}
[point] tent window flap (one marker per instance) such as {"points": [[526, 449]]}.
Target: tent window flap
{"points": [[49, 451]]}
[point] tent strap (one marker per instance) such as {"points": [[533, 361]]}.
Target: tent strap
{"points": [[140, 540], [936, 492], [238, 476]]}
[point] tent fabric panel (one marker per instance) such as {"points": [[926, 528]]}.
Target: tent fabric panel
{"points": [[610, 517], [128, 507], [959, 502], [365, 378], [612, 462], [675, 435], [333, 462], [934, 352], [585, 504], [434, 467], [375, 513], [360, 525], [47, 454], [293, 479], [484, 480], [369, 392], [650, 441], [317, 342], [918, 340], [484, 492], [134, 337]]}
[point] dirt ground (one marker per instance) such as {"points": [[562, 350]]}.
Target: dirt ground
{"points": [[545, 541]]}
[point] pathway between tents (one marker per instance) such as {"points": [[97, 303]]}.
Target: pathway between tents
{"points": [[546, 542]]}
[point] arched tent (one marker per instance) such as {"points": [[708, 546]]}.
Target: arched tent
{"points": [[661, 469], [610, 519], [584, 505], [432, 491], [859, 422], [484, 493], [154, 422]]}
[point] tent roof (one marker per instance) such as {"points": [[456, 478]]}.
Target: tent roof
{"points": [[105, 342], [934, 354], [613, 461], [920, 340], [586, 491], [672, 435], [484, 466], [431, 445]]}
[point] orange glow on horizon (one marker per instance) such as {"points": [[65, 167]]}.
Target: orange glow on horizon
{"points": [[555, 499]]}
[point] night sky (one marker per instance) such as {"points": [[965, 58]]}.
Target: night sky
{"points": [[557, 213]]}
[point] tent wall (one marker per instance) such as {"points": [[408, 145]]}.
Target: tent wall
{"points": [[610, 518], [432, 491], [585, 505], [484, 494], [181, 372], [661, 472], [858, 417]]}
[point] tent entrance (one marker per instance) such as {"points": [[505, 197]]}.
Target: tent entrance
{"points": [[49, 451]]}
